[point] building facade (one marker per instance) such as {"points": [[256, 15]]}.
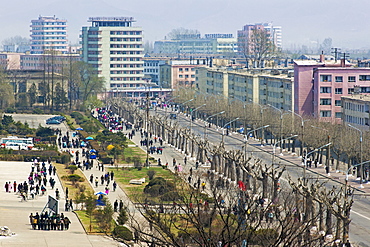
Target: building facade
{"points": [[114, 47], [48, 33], [177, 73], [355, 110], [247, 85], [320, 85]]}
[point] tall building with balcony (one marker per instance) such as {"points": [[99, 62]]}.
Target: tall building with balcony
{"points": [[114, 47], [48, 33]]}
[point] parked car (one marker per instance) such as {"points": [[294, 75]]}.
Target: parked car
{"points": [[59, 118], [52, 121]]}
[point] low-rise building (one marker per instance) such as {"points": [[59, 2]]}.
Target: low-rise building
{"points": [[355, 110]]}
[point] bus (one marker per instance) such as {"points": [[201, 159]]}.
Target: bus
{"points": [[28, 141]]}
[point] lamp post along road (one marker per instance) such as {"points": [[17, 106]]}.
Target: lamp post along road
{"points": [[305, 161], [302, 126], [223, 134], [191, 115], [274, 147], [361, 167], [205, 124], [246, 138]]}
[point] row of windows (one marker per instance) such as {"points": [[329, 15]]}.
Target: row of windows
{"points": [[118, 72], [124, 58], [328, 114], [125, 78], [328, 78], [357, 120], [328, 102], [124, 52], [125, 85], [356, 107], [94, 39], [94, 32], [151, 64], [125, 39], [47, 37], [186, 76], [48, 42], [49, 33], [124, 46], [49, 23], [151, 70], [48, 47], [186, 69], [49, 28], [125, 65], [125, 32]]}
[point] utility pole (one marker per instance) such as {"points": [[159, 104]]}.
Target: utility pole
{"points": [[336, 52]]}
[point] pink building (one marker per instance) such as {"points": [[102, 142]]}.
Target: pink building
{"points": [[319, 86]]}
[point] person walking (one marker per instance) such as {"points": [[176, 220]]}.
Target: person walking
{"points": [[114, 186], [57, 194], [120, 205], [67, 192], [115, 206]]}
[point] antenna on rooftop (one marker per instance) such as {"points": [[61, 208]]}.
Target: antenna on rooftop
{"points": [[336, 52]]}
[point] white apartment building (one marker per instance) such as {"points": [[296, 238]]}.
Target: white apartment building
{"points": [[115, 49], [48, 33]]}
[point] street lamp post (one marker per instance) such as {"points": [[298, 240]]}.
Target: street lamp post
{"points": [[223, 134], [191, 115], [327, 164], [261, 114], [361, 167], [281, 125], [274, 147], [205, 124], [186, 102], [246, 138], [302, 126], [353, 166], [305, 160]]}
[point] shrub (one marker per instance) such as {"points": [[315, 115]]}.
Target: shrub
{"points": [[122, 216], [151, 174], [171, 196], [10, 110], [74, 178], [158, 186], [122, 233], [72, 168]]}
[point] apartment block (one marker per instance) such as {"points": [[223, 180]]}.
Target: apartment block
{"points": [[48, 33], [319, 86], [177, 73], [114, 47], [248, 85], [355, 110]]}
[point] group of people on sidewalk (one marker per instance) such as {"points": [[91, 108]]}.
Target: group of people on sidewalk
{"points": [[49, 222]]}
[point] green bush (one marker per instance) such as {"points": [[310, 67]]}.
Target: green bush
{"points": [[72, 168], [171, 196], [151, 174], [122, 233], [158, 186], [74, 178]]}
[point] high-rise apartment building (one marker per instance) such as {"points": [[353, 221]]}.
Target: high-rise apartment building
{"points": [[274, 33], [115, 49], [48, 33]]}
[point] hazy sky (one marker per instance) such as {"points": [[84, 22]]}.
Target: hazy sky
{"points": [[303, 21]]}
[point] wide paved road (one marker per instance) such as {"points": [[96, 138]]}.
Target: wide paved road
{"points": [[360, 213]]}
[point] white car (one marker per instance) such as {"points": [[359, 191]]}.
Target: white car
{"points": [[16, 146]]}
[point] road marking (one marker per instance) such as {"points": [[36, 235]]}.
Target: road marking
{"points": [[360, 215]]}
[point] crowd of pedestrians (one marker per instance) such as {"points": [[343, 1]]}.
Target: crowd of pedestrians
{"points": [[49, 222]]}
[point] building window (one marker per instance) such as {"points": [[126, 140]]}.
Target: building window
{"points": [[338, 115], [339, 90], [325, 113], [180, 69], [351, 90], [338, 103], [364, 77], [325, 78], [325, 101], [325, 89], [339, 79], [351, 78]]}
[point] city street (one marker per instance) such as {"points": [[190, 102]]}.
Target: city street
{"points": [[360, 215]]}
